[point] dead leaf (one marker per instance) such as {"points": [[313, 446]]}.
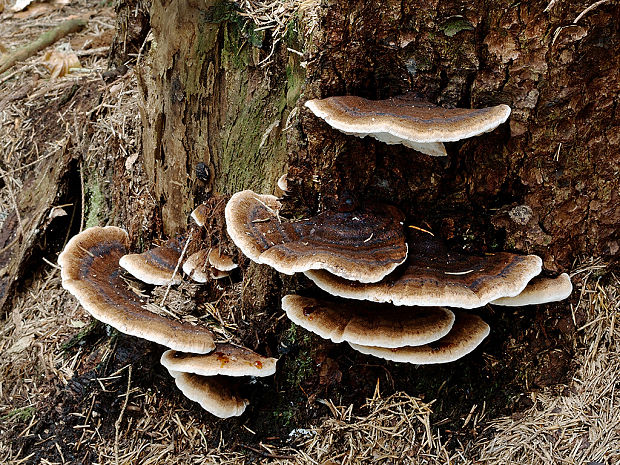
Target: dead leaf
{"points": [[1, 6], [130, 161], [22, 344], [60, 63], [2, 47]]}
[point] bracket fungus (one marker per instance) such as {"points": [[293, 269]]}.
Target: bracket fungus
{"points": [[416, 124], [540, 290], [369, 323], [205, 264], [220, 261], [283, 183], [466, 334], [442, 279], [197, 266], [155, 266], [361, 245], [200, 214], [208, 379], [90, 271], [216, 394], [226, 359]]}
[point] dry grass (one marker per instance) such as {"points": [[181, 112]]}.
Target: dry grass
{"points": [[583, 424], [396, 429], [34, 365], [277, 15]]}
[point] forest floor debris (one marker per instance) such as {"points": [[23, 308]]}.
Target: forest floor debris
{"points": [[69, 391]]}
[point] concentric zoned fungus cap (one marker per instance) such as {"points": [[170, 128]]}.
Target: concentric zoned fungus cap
{"points": [[433, 276], [369, 323], [90, 271], [540, 291], [216, 394], [402, 120], [360, 245], [199, 215], [466, 334], [197, 266], [226, 359], [155, 266]]}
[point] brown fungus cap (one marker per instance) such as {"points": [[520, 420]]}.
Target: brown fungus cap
{"points": [[90, 271], [404, 120], [433, 276], [226, 359], [218, 395], [199, 215], [466, 334], [221, 261], [205, 264], [369, 323], [540, 290], [197, 266], [155, 266], [360, 245], [217, 274]]}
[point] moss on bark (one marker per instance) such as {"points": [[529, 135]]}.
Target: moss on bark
{"points": [[208, 101]]}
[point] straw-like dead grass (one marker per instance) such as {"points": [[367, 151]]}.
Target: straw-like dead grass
{"points": [[396, 429], [34, 365], [582, 425], [276, 16]]}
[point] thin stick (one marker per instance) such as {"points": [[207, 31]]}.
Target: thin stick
{"points": [[176, 268], [587, 10], [46, 39], [117, 424]]}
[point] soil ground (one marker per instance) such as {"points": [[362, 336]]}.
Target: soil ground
{"points": [[72, 390]]}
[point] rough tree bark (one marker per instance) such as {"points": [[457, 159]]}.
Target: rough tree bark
{"points": [[207, 101], [546, 183]]}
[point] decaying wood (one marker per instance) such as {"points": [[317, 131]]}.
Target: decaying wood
{"points": [[26, 223], [207, 101], [46, 39]]}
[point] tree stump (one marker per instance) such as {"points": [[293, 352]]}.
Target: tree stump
{"points": [[546, 183]]}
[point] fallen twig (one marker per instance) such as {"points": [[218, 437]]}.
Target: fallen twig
{"points": [[46, 39]]}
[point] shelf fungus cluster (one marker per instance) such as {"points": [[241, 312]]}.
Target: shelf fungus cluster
{"points": [[210, 379], [413, 290], [406, 284], [204, 370], [399, 293]]}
